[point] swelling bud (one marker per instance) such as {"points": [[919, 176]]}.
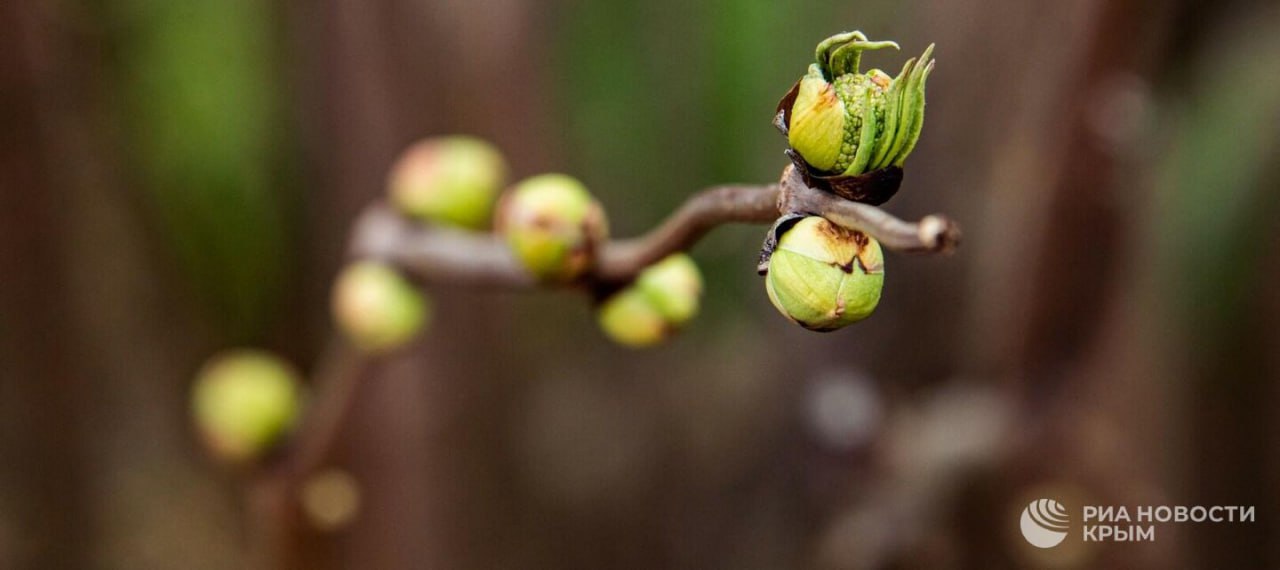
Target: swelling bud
{"points": [[243, 402], [448, 180], [845, 122], [823, 276], [376, 308], [661, 300], [553, 225]]}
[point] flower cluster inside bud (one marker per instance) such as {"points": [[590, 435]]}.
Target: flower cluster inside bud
{"points": [[845, 122]]}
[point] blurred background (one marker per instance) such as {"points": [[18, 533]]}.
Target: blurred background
{"points": [[178, 177]]}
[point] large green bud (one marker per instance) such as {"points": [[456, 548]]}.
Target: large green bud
{"points": [[377, 308], [243, 402], [844, 122], [823, 276], [662, 299], [553, 226], [448, 180]]}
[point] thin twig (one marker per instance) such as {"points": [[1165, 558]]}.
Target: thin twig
{"points": [[621, 260], [339, 372], [436, 254], [272, 497]]}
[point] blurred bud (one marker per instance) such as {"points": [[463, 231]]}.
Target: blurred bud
{"points": [[553, 225], [448, 180], [377, 308], [823, 276], [243, 402], [662, 299], [331, 499], [845, 122]]}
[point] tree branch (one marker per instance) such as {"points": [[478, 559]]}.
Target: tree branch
{"points": [[444, 255]]}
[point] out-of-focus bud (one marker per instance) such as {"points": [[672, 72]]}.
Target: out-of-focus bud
{"points": [[553, 225], [662, 299], [448, 180], [823, 276], [243, 402], [331, 499], [377, 308], [843, 122]]}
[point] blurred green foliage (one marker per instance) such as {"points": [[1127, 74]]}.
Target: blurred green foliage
{"points": [[1219, 181], [201, 101]]}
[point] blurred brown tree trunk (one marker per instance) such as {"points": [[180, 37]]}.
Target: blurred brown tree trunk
{"points": [[94, 348], [43, 385]]}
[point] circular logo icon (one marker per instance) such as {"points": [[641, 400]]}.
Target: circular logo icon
{"points": [[1045, 523]]}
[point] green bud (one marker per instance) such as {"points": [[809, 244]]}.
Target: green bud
{"points": [[377, 308], [823, 276], [448, 180], [817, 122], [553, 225], [844, 122], [243, 402], [662, 299]]}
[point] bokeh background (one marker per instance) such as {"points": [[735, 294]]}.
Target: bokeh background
{"points": [[178, 177]]}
